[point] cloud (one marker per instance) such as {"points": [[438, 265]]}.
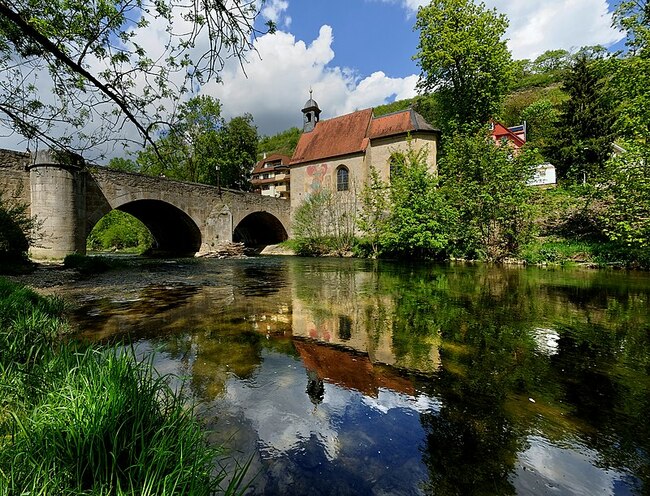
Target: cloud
{"points": [[539, 26], [273, 10], [278, 78]]}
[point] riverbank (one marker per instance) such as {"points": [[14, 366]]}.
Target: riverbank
{"points": [[89, 419]]}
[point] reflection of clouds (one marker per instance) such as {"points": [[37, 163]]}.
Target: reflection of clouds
{"points": [[547, 340], [280, 410], [387, 400], [277, 405], [546, 468]]}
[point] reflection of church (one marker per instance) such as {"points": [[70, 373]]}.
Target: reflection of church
{"points": [[347, 338], [337, 153]]}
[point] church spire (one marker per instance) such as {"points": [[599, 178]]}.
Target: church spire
{"points": [[311, 114]]}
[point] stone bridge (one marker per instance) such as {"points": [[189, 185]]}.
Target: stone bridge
{"points": [[68, 199]]}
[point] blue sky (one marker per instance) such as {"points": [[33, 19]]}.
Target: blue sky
{"points": [[368, 36], [358, 53]]}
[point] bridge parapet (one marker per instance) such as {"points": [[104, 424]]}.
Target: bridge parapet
{"points": [[69, 198]]}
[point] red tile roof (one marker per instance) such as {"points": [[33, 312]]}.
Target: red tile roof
{"points": [[351, 133], [333, 137]]}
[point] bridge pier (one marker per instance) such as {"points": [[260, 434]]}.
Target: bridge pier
{"points": [[58, 192]]}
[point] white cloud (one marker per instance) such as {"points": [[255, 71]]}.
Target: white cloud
{"points": [[273, 10], [539, 26], [280, 75]]}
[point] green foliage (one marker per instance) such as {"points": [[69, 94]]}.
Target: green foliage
{"points": [[541, 118], [236, 153], [561, 252], [464, 58], [420, 220], [374, 216], [584, 133], [283, 143], [78, 420], [122, 164], [106, 424], [200, 141], [551, 60], [16, 231], [119, 231], [486, 184], [325, 223], [627, 219], [395, 106]]}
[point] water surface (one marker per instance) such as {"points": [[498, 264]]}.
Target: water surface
{"points": [[356, 377]]}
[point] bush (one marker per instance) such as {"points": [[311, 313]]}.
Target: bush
{"points": [[16, 232]]}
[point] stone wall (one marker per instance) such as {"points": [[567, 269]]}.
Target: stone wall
{"points": [[14, 179], [72, 199]]}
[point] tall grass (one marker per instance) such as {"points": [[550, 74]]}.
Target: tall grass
{"points": [[81, 420]]}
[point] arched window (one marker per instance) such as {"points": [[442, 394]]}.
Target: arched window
{"points": [[342, 178], [396, 164]]}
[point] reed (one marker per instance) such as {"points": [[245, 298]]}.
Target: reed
{"points": [[92, 421]]}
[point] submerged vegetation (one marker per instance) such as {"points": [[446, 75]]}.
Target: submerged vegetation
{"points": [[76, 419]]}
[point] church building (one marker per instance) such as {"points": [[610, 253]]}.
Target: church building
{"points": [[337, 153]]}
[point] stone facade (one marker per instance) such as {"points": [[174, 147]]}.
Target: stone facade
{"points": [[183, 217], [337, 154]]}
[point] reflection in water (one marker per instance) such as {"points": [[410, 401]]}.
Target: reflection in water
{"points": [[353, 377]]}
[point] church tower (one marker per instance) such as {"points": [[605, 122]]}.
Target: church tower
{"points": [[311, 114]]}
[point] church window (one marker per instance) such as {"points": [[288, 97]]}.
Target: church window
{"points": [[342, 178]]}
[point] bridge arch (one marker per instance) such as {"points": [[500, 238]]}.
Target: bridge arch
{"points": [[174, 232], [259, 229]]}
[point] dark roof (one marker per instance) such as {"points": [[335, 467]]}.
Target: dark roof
{"points": [[403, 121], [351, 133], [309, 104], [259, 166]]}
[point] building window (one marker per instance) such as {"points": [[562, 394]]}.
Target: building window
{"points": [[342, 178], [396, 164]]}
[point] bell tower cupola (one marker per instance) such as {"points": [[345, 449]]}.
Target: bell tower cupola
{"points": [[311, 114]]}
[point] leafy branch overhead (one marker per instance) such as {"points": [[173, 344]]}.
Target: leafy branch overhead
{"points": [[77, 74]]}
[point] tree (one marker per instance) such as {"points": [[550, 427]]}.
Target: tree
{"points": [[17, 230], [541, 118], [627, 220], [464, 58], [284, 143], [420, 221], [374, 216], [632, 79], [551, 60], [326, 223], [584, 133], [486, 184], [236, 153], [199, 141], [76, 72]]}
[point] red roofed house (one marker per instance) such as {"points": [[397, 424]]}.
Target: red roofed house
{"points": [[270, 177], [337, 153], [515, 136]]}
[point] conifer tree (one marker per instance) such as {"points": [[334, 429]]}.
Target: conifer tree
{"points": [[584, 133]]}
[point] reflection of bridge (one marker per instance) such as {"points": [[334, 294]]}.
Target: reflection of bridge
{"points": [[184, 218]]}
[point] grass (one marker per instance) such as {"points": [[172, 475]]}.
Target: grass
{"points": [[78, 420]]}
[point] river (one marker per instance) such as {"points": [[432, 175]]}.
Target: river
{"points": [[340, 376]]}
